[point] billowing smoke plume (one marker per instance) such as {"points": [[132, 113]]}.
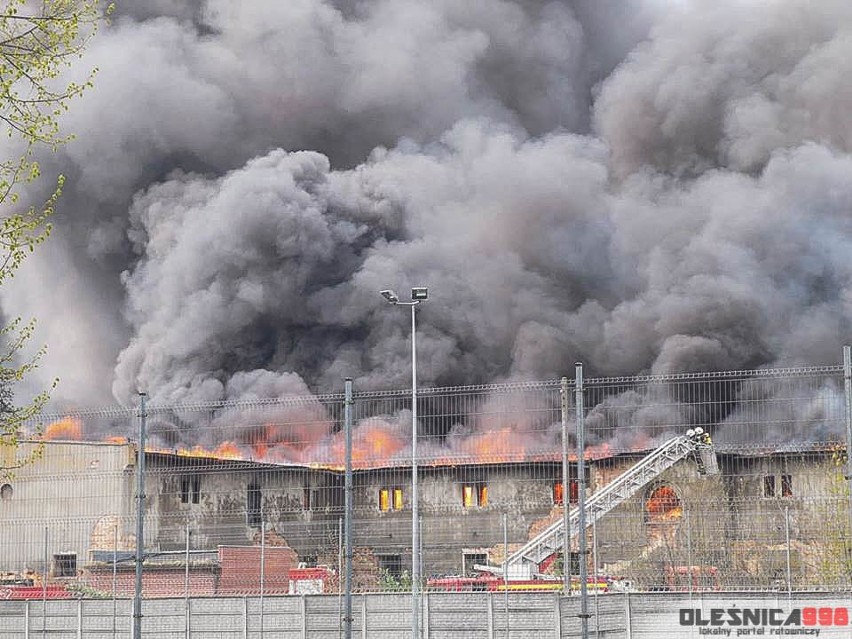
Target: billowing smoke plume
{"points": [[643, 186]]}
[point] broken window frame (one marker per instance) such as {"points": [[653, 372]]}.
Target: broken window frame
{"points": [[65, 564], [786, 485], [769, 486]]}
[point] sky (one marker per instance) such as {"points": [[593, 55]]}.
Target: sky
{"points": [[646, 186]]}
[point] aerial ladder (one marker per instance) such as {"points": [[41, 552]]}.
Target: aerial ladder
{"points": [[695, 444]]}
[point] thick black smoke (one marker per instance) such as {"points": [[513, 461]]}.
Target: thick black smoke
{"points": [[643, 186]]}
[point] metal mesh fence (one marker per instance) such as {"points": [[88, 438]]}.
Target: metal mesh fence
{"points": [[248, 498]]}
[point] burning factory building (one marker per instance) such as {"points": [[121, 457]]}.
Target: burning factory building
{"points": [[761, 504]]}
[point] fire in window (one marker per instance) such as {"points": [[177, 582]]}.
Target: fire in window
{"points": [[390, 497], [65, 565], [474, 495], [190, 489], [786, 485], [559, 492], [663, 505]]}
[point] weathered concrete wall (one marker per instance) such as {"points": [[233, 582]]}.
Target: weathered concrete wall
{"points": [[524, 492], [73, 492], [300, 505], [812, 508]]}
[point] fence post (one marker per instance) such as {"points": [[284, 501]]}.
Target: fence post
{"points": [[566, 495], [79, 619], [303, 610], [245, 617], [847, 387], [348, 512], [581, 499], [627, 617], [364, 616], [490, 616], [27, 619], [558, 620], [789, 565], [425, 613]]}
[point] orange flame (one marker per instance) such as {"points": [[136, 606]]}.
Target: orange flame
{"points": [[225, 450], [375, 441], [503, 445], [67, 428], [664, 505]]}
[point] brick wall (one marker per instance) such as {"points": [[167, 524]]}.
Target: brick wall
{"points": [[237, 571], [156, 581], [241, 570]]}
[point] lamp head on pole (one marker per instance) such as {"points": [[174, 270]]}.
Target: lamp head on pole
{"points": [[390, 296], [419, 294]]}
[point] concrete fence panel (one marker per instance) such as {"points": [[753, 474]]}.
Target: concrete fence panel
{"points": [[480, 615]]}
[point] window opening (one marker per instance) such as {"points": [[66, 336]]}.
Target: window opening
{"points": [[391, 498], [663, 504], [65, 565], [392, 564], [471, 559], [190, 489], [559, 492], [786, 485], [769, 486], [474, 495], [253, 505]]}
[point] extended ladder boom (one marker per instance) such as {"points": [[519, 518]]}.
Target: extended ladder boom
{"points": [[524, 563]]}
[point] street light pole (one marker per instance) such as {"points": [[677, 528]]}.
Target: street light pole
{"points": [[418, 294]]}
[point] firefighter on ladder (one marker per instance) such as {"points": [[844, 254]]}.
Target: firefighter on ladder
{"points": [[700, 435]]}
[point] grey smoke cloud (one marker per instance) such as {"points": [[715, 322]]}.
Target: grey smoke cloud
{"points": [[647, 188]]}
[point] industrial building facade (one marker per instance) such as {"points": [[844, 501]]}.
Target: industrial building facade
{"points": [[243, 494]]}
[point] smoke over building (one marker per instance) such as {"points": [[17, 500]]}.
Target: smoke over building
{"points": [[647, 187]]}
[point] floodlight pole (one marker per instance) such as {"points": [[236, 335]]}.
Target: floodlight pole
{"points": [[418, 295]]}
